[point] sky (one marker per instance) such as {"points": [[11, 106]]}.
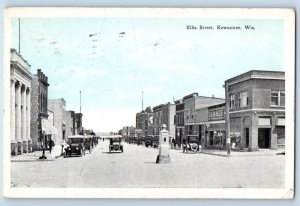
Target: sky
{"points": [[112, 60]]}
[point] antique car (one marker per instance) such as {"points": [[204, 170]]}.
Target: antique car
{"points": [[149, 141], [75, 146], [115, 143], [156, 141], [88, 143], [193, 143]]}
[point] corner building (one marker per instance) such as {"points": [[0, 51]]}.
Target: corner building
{"points": [[256, 101], [20, 92]]}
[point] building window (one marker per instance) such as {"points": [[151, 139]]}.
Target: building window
{"points": [[243, 100], [277, 98], [231, 101]]}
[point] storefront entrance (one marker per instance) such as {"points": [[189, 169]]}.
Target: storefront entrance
{"points": [[264, 138], [247, 137]]}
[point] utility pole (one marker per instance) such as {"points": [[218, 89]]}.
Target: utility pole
{"points": [[19, 36], [142, 100], [227, 119]]}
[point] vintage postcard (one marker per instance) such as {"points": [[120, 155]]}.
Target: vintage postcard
{"points": [[149, 103]]}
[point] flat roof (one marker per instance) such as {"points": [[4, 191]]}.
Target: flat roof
{"points": [[256, 74]]}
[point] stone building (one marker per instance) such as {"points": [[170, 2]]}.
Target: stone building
{"points": [[164, 114], [39, 110], [256, 104], [58, 107], [20, 92]]}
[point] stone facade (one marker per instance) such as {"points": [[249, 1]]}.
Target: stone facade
{"points": [[58, 107], [20, 92], [256, 102], [39, 111]]}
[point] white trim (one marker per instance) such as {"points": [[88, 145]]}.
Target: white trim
{"points": [[204, 123], [267, 110]]}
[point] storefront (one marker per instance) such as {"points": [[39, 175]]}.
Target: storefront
{"points": [[215, 126], [48, 131]]}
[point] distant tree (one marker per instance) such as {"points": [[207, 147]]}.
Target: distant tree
{"points": [[148, 110]]}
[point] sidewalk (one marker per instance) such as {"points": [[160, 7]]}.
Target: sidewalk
{"points": [[243, 153], [34, 156]]}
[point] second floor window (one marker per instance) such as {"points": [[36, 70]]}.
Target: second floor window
{"points": [[277, 98], [243, 100], [231, 101]]}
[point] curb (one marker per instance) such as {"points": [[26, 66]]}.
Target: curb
{"points": [[244, 155], [36, 160]]}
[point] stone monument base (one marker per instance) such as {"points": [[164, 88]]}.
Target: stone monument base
{"points": [[163, 159]]}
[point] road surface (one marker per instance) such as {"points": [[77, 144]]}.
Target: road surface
{"points": [[136, 168]]}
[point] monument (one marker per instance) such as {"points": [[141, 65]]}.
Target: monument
{"points": [[163, 154]]}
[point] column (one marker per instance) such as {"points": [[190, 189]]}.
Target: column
{"points": [[18, 120], [273, 140], [14, 148], [253, 132], [28, 120], [24, 133]]}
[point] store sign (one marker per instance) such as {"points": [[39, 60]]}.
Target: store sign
{"points": [[264, 121], [216, 114]]}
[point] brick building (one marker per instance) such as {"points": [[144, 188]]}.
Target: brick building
{"points": [[78, 123], [20, 92], [70, 121], [40, 129], [144, 122], [164, 114], [196, 119], [256, 103]]}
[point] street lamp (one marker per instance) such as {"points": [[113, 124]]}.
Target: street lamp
{"points": [[43, 145]]}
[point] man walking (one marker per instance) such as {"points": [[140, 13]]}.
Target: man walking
{"points": [[51, 144]]}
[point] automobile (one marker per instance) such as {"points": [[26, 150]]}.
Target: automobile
{"points": [[88, 143], [156, 141], [115, 143], [75, 146], [149, 140], [193, 143]]}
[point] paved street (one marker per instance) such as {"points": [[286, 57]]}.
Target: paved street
{"points": [[136, 168]]}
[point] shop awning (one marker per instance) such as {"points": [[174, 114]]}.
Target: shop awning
{"points": [[48, 128]]}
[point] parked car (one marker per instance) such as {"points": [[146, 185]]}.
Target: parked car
{"points": [[156, 141], [75, 146], [149, 141], [88, 143], [115, 143], [193, 143]]}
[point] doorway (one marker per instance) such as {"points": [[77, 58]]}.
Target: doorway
{"points": [[264, 137], [247, 137]]}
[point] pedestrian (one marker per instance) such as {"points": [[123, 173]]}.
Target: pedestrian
{"points": [[184, 145], [173, 143], [51, 144]]}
